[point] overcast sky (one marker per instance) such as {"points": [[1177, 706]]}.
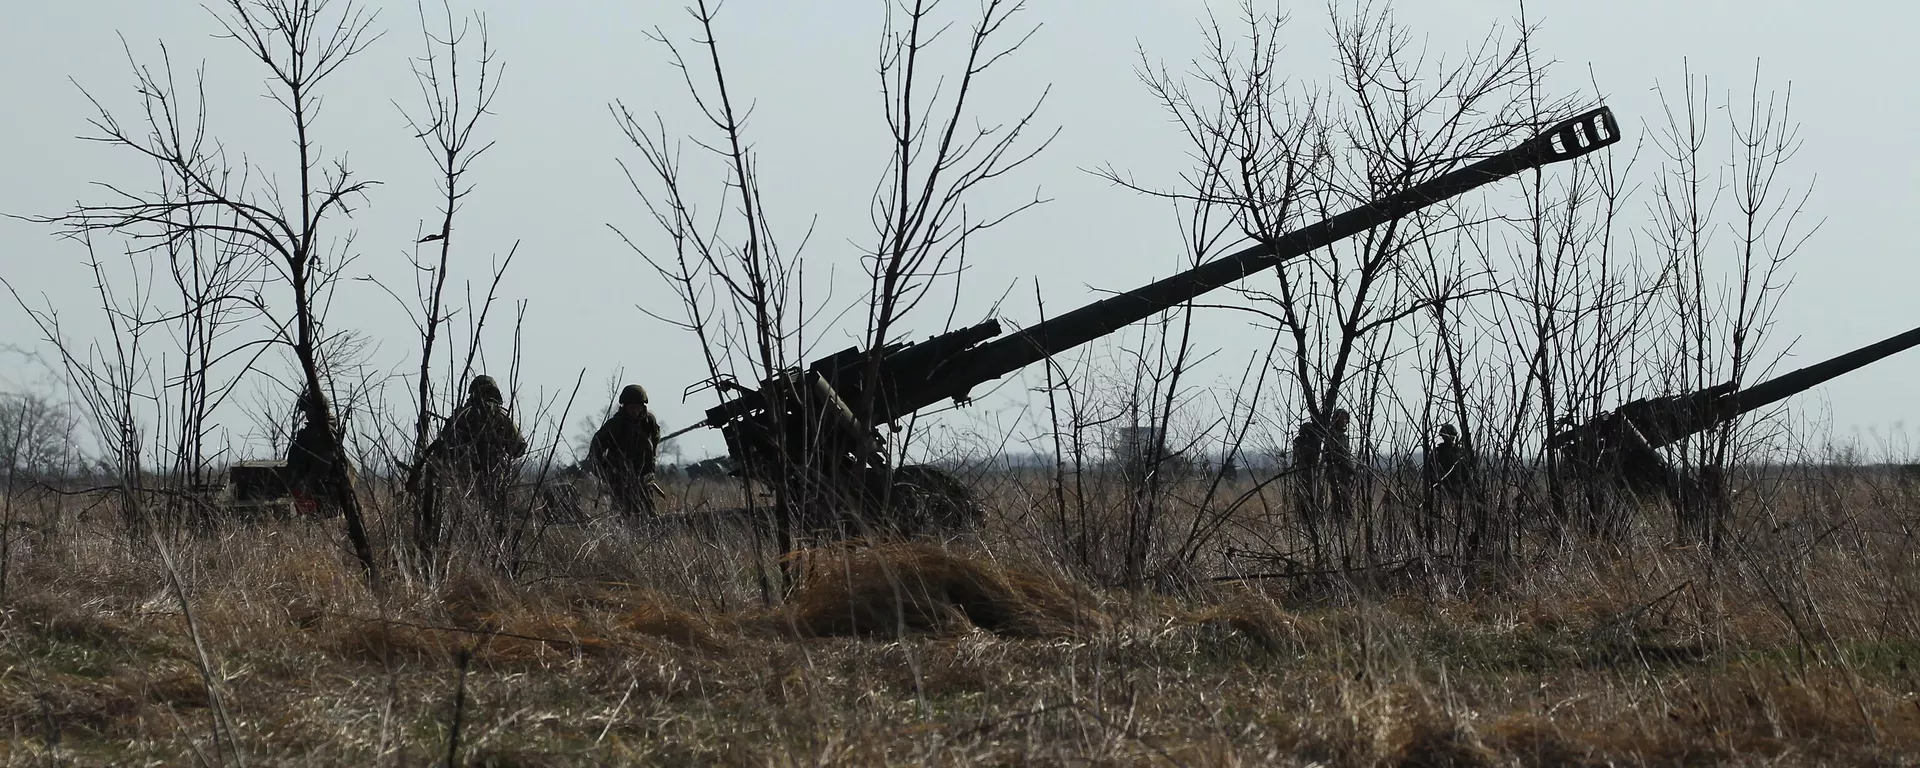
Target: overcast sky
{"points": [[553, 183]]}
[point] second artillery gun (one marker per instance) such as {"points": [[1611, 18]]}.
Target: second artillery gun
{"points": [[814, 432], [1623, 445]]}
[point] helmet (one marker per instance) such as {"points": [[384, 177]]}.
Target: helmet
{"points": [[1449, 430], [633, 393], [484, 388]]}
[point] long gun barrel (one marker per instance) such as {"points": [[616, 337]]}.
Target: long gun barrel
{"points": [[1787, 385], [1663, 421], [1564, 141], [912, 376], [813, 431]]}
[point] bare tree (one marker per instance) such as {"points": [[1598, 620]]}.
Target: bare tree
{"points": [[940, 154], [36, 446], [36, 438], [1721, 293], [456, 92], [738, 287], [1276, 154], [108, 380], [746, 298], [300, 44]]}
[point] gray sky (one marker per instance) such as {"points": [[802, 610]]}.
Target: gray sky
{"points": [[552, 182]]}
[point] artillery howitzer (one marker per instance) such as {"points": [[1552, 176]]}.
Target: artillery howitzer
{"points": [[1623, 445], [816, 429]]}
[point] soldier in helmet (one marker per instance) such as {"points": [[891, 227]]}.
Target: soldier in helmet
{"points": [[480, 437], [1446, 470], [1448, 460], [480, 441], [1306, 471], [309, 474], [1323, 467], [1337, 455], [623, 452]]}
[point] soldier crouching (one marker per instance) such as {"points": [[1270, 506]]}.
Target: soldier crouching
{"points": [[476, 452]]}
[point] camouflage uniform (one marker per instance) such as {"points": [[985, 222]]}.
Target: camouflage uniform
{"points": [[1323, 462], [480, 439], [309, 473], [1337, 455], [1446, 471], [623, 452], [1448, 462]]}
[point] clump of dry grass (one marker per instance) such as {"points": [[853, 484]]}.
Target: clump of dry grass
{"points": [[1430, 739], [1250, 615], [656, 616], [897, 588], [503, 625]]}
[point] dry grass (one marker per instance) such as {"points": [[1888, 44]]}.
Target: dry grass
{"points": [[657, 649], [893, 589]]}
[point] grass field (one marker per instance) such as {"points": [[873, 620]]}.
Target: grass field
{"points": [[1796, 646]]}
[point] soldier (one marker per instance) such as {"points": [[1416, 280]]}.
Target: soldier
{"points": [[1306, 469], [309, 473], [480, 440], [1337, 455], [623, 452], [1448, 464], [1322, 453], [1306, 448], [477, 447]]}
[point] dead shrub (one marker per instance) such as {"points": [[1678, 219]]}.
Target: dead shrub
{"points": [[502, 643], [1252, 617], [471, 599], [1532, 740], [1820, 713], [1435, 741], [52, 618], [506, 626], [306, 586], [541, 637], [508, 758], [944, 667], [656, 617], [893, 589], [180, 688], [644, 611], [95, 708], [379, 642]]}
